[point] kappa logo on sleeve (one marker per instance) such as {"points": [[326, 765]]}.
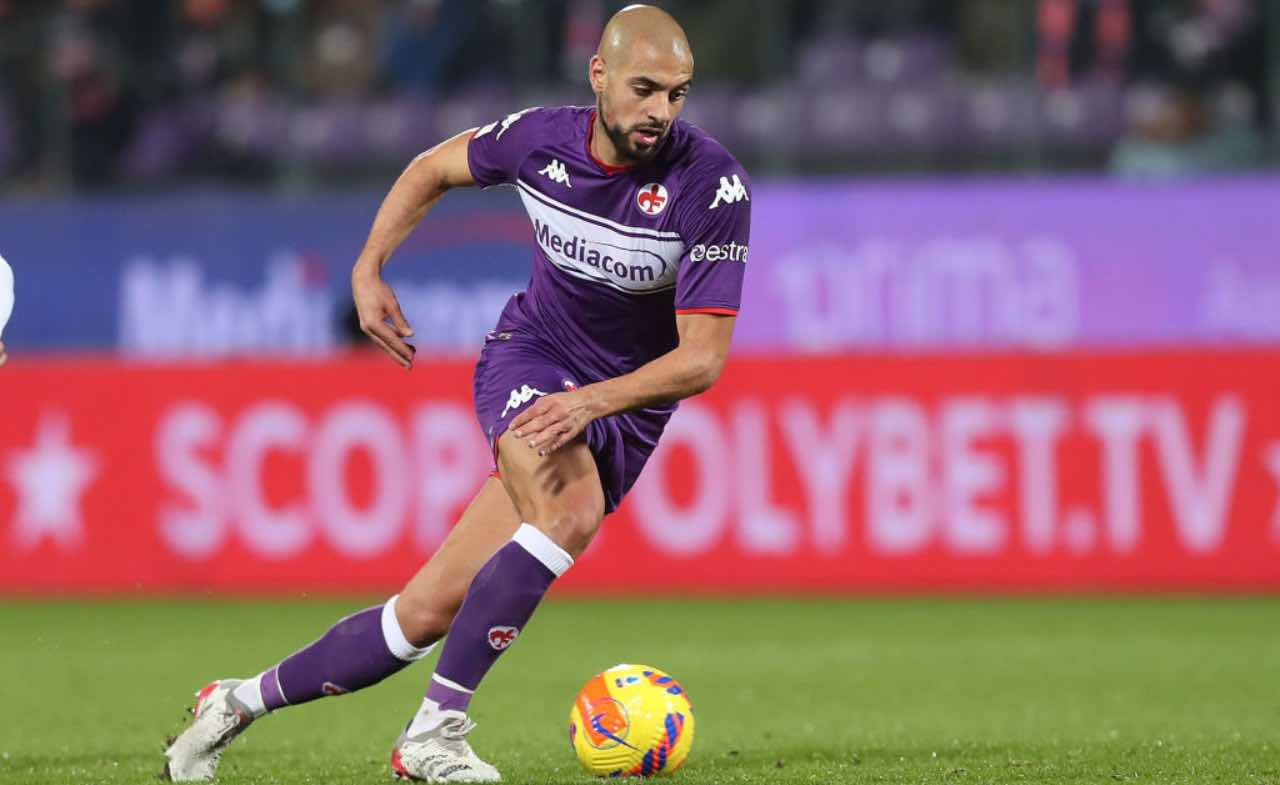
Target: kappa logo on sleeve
{"points": [[730, 191], [506, 123]]}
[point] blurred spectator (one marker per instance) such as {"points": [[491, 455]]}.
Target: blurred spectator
{"points": [[422, 38], [342, 53], [216, 39], [100, 92], [582, 25], [1082, 38], [1174, 133], [1202, 103], [85, 63]]}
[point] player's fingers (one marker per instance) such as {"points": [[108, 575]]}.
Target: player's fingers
{"points": [[539, 429], [561, 440], [390, 352], [522, 419], [546, 436], [384, 337], [401, 323], [389, 336]]}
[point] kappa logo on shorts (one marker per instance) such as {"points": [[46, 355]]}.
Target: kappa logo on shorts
{"points": [[519, 398], [502, 637], [652, 199]]}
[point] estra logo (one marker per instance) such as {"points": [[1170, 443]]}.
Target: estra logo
{"points": [[727, 252], [502, 637]]}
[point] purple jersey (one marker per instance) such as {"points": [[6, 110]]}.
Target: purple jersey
{"points": [[620, 251]]}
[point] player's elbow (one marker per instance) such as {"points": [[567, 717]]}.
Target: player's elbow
{"points": [[428, 174], [705, 367], [445, 165]]}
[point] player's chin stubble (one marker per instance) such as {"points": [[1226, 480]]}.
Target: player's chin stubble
{"points": [[622, 139]]}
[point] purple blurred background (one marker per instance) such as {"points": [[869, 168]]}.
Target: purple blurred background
{"points": [[991, 174]]}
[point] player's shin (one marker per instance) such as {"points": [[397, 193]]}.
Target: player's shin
{"points": [[501, 600], [357, 652]]}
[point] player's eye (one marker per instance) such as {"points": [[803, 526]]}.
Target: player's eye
{"points": [[643, 92], [679, 95]]}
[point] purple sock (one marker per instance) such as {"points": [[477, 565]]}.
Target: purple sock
{"points": [[360, 650], [502, 598]]}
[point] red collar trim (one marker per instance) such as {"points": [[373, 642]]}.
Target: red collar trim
{"points": [[609, 169]]}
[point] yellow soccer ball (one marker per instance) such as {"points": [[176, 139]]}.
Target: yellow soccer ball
{"points": [[631, 720]]}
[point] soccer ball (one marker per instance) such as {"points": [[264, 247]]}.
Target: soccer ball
{"points": [[631, 720]]}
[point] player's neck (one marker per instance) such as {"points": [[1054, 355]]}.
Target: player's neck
{"points": [[602, 148]]}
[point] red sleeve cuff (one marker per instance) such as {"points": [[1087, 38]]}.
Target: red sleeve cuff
{"points": [[720, 311]]}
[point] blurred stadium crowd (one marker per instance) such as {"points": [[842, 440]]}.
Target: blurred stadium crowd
{"points": [[295, 92]]}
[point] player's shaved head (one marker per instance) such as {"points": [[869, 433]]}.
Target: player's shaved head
{"points": [[639, 27], [641, 72]]}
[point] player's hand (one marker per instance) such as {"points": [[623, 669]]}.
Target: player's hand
{"points": [[3, 356], [553, 421], [376, 304]]}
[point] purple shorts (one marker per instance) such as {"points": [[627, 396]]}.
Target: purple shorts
{"points": [[516, 369]]}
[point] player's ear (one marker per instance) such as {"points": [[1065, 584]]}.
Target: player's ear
{"points": [[595, 74]]}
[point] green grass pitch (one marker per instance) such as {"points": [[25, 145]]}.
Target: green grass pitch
{"points": [[1032, 690]]}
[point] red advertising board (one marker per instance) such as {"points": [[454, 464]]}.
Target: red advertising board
{"points": [[1141, 471]]}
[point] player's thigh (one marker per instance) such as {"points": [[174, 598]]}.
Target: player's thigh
{"points": [[559, 493], [431, 598]]}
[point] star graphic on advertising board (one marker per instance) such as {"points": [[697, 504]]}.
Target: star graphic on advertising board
{"points": [[1271, 456], [50, 478]]}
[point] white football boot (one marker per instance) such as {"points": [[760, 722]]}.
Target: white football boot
{"points": [[441, 754], [218, 717]]}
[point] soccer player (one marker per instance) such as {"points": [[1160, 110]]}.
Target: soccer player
{"points": [[641, 223]]}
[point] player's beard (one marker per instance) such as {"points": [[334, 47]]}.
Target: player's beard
{"points": [[621, 137]]}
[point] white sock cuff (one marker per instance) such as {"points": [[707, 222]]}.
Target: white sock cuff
{"points": [[249, 692], [451, 684], [543, 549], [394, 636]]}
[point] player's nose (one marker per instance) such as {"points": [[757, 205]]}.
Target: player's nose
{"points": [[659, 112]]}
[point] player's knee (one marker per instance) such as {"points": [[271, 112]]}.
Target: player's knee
{"points": [[573, 528], [424, 620]]}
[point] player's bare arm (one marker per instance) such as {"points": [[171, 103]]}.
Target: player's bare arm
{"points": [[6, 302], [690, 368], [427, 178]]}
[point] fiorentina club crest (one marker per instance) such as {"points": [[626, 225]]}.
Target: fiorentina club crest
{"points": [[502, 637], [652, 199]]}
